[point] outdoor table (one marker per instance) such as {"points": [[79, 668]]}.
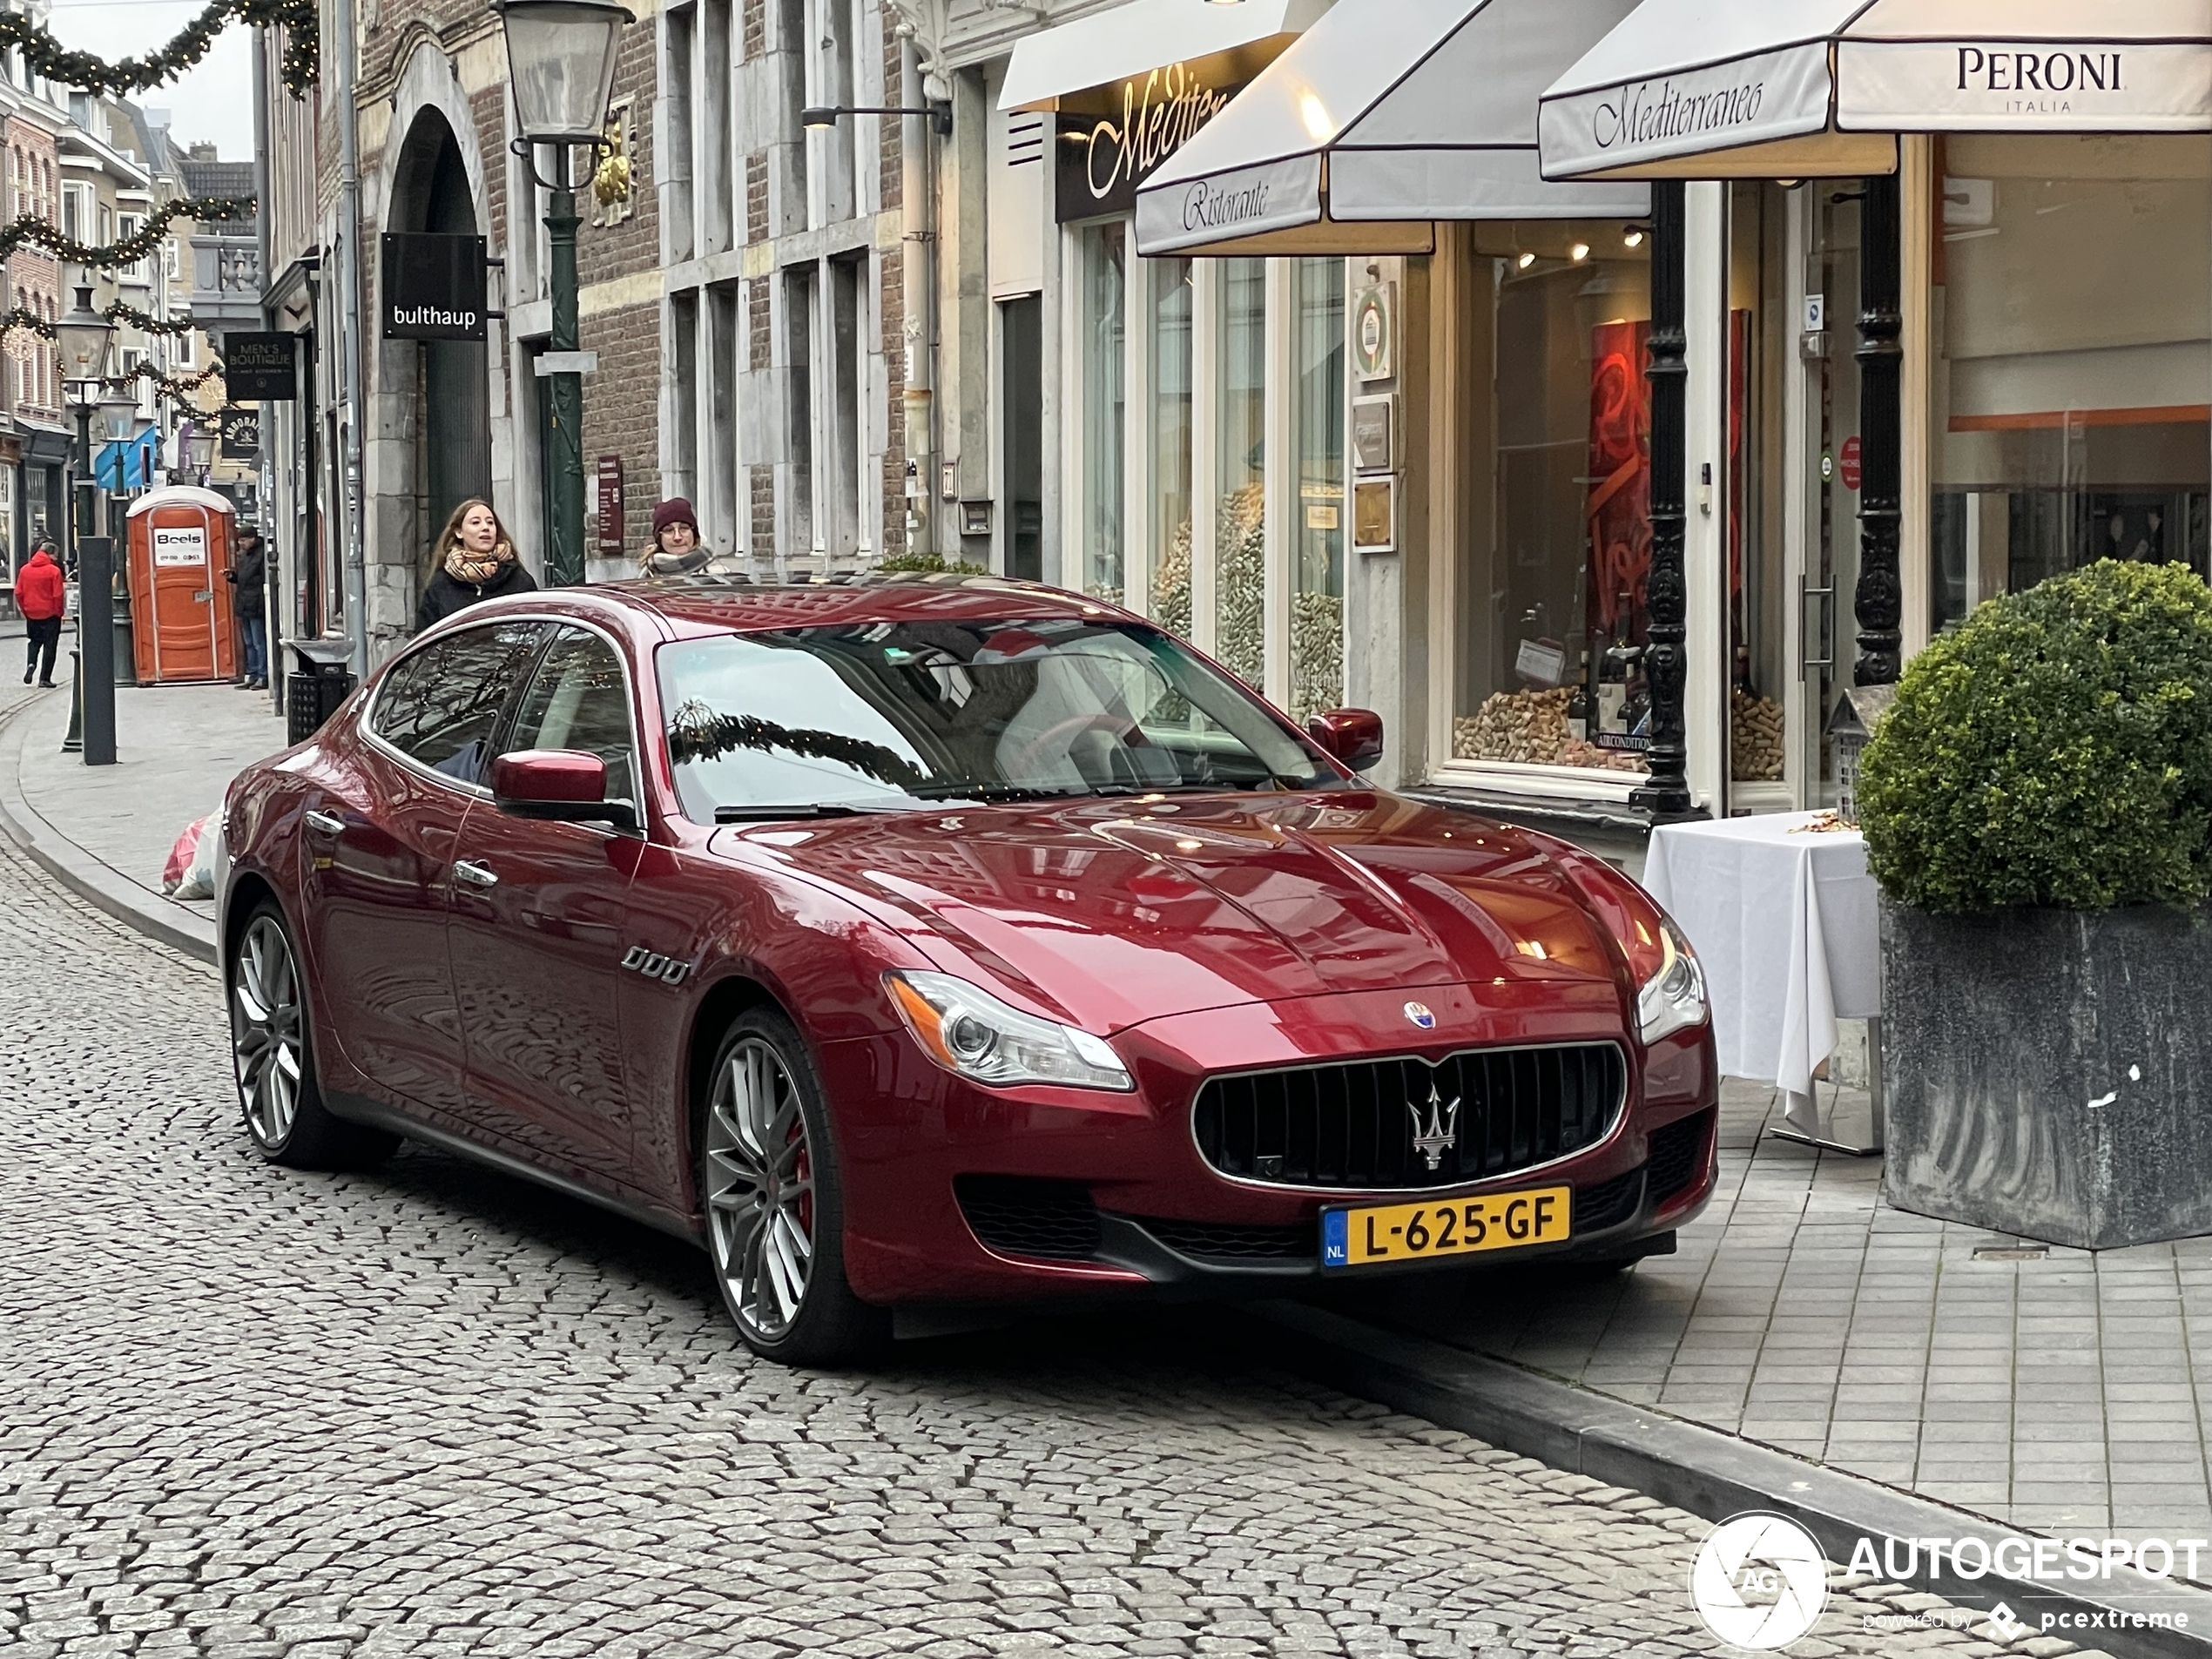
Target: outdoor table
{"points": [[1784, 924]]}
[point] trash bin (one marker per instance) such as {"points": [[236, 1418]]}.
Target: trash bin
{"points": [[321, 676]]}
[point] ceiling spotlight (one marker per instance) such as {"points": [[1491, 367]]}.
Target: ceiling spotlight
{"points": [[1527, 260], [1580, 250], [1634, 239]]}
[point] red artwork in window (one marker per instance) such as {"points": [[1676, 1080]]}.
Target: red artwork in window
{"points": [[1620, 498]]}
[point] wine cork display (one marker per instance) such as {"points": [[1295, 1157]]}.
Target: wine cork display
{"points": [[1530, 728], [1755, 738]]}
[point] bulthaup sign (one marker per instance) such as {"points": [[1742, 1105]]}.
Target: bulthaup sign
{"points": [[433, 286]]}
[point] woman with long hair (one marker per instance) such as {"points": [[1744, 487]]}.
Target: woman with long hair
{"points": [[476, 561]]}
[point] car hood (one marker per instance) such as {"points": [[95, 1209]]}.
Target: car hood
{"points": [[1112, 913]]}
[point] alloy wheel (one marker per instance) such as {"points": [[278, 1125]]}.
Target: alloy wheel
{"points": [[760, 1189], [266, 1030]]}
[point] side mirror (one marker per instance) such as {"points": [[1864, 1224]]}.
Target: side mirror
{"points": [[564, 785], [1352, 736]]}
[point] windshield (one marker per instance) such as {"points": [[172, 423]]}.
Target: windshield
{"points": [[892, 713]]}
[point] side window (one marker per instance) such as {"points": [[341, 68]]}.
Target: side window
{"points": [[441, 705], [579, 698]]}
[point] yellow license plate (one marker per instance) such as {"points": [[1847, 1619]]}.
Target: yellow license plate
{"points": [[1405, 1232]]}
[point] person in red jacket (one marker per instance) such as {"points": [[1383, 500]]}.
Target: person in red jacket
{"points": [[38, 595]]}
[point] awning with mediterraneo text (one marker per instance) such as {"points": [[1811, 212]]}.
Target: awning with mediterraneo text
{"points": [[1055, 68], [1820, 88], [1386, 116]]}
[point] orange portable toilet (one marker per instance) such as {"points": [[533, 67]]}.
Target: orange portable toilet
{"points": [[180, 606]]}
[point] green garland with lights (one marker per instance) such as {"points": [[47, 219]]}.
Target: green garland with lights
{"points": [[37, 233], [190, 43]]}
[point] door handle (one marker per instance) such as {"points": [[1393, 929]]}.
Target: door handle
{"points": [[1806, 660], [475, 874], [325, 823]]}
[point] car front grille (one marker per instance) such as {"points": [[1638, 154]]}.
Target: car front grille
{"points": [[1233, 1242], [1678, 1156], [1482, 1113], [1018, 1216], [1609, 1202]]}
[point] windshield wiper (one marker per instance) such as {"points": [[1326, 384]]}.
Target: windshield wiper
{"points": [[987, 792], [808, 809]]}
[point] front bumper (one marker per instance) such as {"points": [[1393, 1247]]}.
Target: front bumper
{"points": [[1119, 1200]]}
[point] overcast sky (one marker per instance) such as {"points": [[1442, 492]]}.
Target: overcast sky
{"points": [[213, 100]]}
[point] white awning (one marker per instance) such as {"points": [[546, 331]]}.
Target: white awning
{"points": [[1783, 88], [1386, 116], [1221, 42]]}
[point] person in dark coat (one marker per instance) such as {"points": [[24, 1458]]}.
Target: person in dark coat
{"points": [[476, 561], [249, 577], [42, 599]]}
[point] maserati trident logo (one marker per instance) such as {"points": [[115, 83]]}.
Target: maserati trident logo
{"points": [[1419, 1014], [1440, 1133]]}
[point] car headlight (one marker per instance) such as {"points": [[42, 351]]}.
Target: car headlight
{"points": [[1674, 996], [968, 1030]]}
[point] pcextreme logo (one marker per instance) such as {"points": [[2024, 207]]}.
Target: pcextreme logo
{"points": [[1759, 1581]]}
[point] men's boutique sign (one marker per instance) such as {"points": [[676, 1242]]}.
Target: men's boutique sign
{"points": [[1100, 163]]}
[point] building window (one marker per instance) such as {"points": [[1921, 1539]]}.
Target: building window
{"points": [[1102, 329], [1553, 510], [2071, 369], [1173, 284], [1240, 469], [1317, 590]]}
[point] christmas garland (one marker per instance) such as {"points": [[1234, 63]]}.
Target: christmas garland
{"points": [[146, 323], [190, 43], [38, 232]]}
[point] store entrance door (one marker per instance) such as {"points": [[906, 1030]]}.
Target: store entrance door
{"points": [[1828, 631]]}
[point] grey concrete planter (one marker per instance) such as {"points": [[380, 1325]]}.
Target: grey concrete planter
{"points": [[2049, 1072]]}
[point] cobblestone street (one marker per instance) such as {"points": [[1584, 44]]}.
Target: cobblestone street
{"points": [[430, 1411]]}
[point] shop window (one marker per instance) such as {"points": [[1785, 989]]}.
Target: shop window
{"points": [[1316, 593], [1760, 352], [1022, 412], [1556, 507], [1168, 338], [2071, 390], [1102, 328], [1240, 452]]}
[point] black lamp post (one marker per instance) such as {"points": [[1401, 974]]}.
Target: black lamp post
{"points": [[561, 64]]}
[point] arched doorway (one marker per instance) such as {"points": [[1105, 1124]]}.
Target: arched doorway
{"points": [[453, 395]]}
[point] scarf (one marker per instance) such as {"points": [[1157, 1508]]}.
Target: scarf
{"points": [[463, 566], [660, 563]]}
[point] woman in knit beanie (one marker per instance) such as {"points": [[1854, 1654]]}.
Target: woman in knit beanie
{"points": [[675, 550]]}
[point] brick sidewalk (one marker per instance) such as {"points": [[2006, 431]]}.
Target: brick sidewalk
{"points": [[177, 748], [2054, 1391]]}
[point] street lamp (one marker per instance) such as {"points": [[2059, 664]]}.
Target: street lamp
{"points": [[83, 334], [561, 64], [821, 117]]}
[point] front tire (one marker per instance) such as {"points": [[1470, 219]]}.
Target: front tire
{"points": [[272, 1056], [775, 1206]]}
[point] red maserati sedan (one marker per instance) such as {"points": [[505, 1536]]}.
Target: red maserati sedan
{"points": [[925, 942]]}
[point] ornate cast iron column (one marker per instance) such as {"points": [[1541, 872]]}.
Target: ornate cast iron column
{"points": [[1666, 595], [1879, 601]]}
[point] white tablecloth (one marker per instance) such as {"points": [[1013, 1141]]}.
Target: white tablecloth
{"points": [[1785, 927]]}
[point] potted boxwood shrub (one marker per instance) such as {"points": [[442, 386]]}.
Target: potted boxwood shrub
{"points": [[2038, 811]]}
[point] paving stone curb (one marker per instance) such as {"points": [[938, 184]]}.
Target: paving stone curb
{"points": [[1710, 1474], [97, 883]]}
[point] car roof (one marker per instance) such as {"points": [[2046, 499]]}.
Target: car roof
{"points": [[705, 604]]}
